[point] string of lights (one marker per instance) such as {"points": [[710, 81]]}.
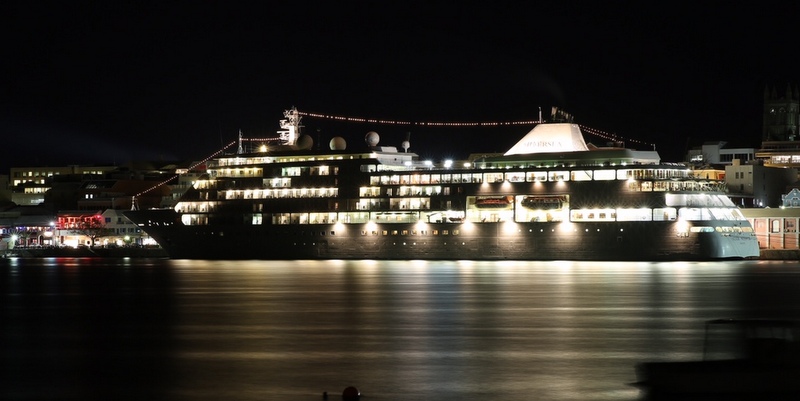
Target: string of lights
{"points": [[612, 137], [192, 167], [261, 139], [417, 123], [589, 130]]}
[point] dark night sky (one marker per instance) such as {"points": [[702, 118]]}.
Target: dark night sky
{"points": [[109, 82]]}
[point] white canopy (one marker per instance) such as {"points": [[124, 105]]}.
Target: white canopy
{"points": [[549, 138]]}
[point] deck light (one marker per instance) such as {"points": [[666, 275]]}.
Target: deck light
{"points": [[682, 226]]}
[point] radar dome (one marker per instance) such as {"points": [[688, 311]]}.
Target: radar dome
{"points": [[305, 142], [338, 143], [405, 145], [372, 138]]}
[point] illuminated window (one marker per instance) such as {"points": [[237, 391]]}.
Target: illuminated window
{"points": [[581, 175], [604, 175], [536, 176]]}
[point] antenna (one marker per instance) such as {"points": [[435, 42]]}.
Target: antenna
{"points": [[407, 143]]}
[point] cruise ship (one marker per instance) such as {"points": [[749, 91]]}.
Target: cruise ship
{"points": [[552, 196]]}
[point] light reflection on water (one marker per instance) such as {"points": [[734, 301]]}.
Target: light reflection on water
{"points": [[398, 330]]}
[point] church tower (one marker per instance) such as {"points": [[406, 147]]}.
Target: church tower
{"points": [[781, 115]]}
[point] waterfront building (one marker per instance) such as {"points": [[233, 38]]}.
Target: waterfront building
{"points": [[120, 231], [791, 199], [26, 226], [29, 185], [718, 153], [781, 114], [775, 228], [780, 146], [755, 185], [78, 227]]}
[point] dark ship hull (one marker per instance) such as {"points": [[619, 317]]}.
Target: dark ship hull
{"points": [[623, 241]]}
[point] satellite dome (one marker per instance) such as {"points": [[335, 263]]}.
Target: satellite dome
{"points": [[338, 143], [372, 138], [305, 142], [405, 145]]}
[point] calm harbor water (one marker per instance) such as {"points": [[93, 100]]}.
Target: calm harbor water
{"points": [[102, 329]]}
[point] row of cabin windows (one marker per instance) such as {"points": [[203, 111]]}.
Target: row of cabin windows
{"points": [[285, 172], [530, 176]]}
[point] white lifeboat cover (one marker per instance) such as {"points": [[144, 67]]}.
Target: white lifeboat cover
{"points": [[549, 138]]}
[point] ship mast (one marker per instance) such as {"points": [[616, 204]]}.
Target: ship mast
{"points": [[290, 127]]}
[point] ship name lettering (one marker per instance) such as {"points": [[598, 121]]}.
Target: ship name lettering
{"points": [[544, 144]]}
